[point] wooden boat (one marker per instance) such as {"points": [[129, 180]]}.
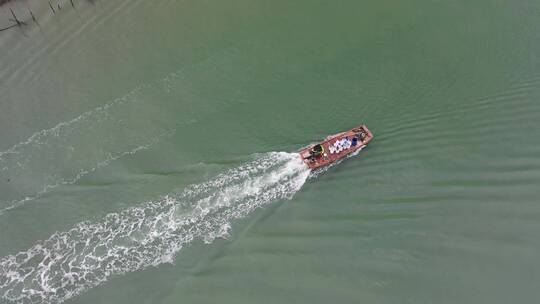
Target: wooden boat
{"points": [[336, 147]]}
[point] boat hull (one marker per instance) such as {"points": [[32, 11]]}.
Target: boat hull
{"points": [[330, 154]]}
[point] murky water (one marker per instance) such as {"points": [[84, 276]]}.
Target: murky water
{"points": [[139, 154]]}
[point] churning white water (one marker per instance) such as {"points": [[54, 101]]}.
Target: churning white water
{"points": [[87, 255]]}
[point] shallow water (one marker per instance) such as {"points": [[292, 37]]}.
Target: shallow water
{"points": [[139, 154]]}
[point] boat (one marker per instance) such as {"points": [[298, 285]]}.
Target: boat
{"points": [[336, 147]]}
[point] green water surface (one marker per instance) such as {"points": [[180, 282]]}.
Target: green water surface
{"points": [[120, 102]]}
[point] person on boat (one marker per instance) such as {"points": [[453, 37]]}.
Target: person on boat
{"points": [[362, 135], [317, 151]]}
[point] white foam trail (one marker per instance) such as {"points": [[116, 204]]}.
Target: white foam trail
{"points": [[37, 138], [110, 158], [68, 151], [49, 158], [68, 263]]}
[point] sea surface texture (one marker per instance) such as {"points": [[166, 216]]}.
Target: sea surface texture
{"points": [[147, 152]]}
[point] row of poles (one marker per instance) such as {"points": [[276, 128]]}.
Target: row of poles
{"points": [[16, 22]]}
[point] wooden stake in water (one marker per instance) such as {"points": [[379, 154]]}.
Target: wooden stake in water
{"points": [[52, 8], [15, 19], [18, 22]]}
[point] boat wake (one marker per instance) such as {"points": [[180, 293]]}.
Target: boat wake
{"points": [[65, 153], [70, 262]]}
